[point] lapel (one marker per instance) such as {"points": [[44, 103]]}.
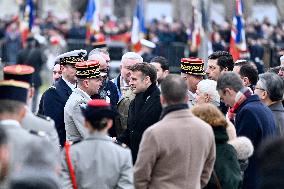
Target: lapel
{"points": [[61, 85], [278, 107], [143, 105]]}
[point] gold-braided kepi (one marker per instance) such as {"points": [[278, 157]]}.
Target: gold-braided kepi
{"points": [[194, 66], [88, 69]]}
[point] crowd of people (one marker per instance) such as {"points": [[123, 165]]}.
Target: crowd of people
{"points": [[218, 124], [207, 127]]}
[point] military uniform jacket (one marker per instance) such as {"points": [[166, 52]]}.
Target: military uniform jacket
{"points": [[53, 106], [32, 122], [73, 117], [19, 140], [98, 163]]}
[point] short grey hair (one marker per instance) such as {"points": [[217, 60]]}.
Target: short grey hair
{"points": [[209, 87], [229, 80], [98, 51], [273, 84], [132, 56], [95, 56]]}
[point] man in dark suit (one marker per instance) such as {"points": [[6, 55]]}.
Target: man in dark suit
{"points": [[56, 96], [145, 109]]}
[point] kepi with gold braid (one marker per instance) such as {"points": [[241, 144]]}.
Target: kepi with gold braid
{"points": [[88, 69], [14, 90], [192, 65], [19, 72]]}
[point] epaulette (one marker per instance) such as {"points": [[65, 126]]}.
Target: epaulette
{"points": [[120, 144], [38, 133], [43, 117]]}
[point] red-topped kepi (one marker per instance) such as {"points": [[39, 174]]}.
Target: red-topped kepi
{"points": [[97, 109], [19, 72], [88, 69], [192, 65]]}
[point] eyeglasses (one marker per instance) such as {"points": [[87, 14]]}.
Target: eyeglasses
{"points": [[259, 89]]}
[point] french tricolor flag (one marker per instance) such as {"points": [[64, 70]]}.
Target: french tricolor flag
{"points": [[138, 27], [238, 40]]}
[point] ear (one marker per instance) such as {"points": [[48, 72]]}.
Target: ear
{"points": [[207, 97], [166, 72], [22, 113], [147, 79], [86, 83], [245, 81], [162, 100], [61, 67], [109, 123], [87, 125], [31, 92]]}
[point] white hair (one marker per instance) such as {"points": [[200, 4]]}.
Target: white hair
{"points": [[132, 56], [209, 87], [97, 57]]}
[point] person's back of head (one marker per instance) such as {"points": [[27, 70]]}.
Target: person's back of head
{"points": [[250, 72], [229, 80], [208, 87], [273, 84], [224, 60], [210, 114], [174, 90]]}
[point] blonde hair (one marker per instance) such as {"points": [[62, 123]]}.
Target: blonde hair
{"points": [[210, 114]]}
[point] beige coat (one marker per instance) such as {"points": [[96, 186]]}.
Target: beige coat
{"points": [[178, 152], [73, 117]]}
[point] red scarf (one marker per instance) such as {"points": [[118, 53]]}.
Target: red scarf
{"points": [[241, 96]]}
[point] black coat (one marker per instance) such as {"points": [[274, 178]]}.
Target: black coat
{"points": [[144, 111], [53, 103], [109, 90]]}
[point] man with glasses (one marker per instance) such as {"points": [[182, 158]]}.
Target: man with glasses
{"points": [[270, 89], [56, 97], [252, 119]]}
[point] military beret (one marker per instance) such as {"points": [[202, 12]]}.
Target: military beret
{"points": [[19, 73], [194, 66]]}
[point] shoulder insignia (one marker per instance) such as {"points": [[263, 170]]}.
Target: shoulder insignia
{"points": [[43, 117], [52, 87], [120, 144], [38, 133]]}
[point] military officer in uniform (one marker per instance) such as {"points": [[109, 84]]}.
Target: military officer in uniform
{"points": [[192, 70], [57, 95], [97, 162], [13, 99], [31, 122], [89, 82]]}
